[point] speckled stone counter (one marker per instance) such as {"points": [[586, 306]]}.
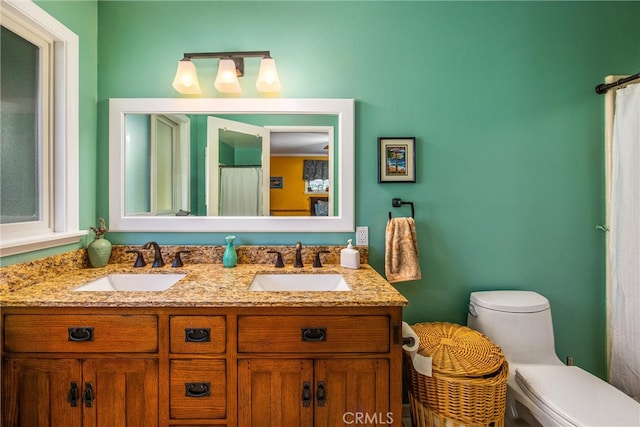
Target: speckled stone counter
{"points": [[205, 285]]}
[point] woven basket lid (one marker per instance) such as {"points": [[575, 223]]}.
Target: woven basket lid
{"points": [[458, 350]]}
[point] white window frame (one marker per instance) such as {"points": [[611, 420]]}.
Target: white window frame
{"points": [[63, 224]]}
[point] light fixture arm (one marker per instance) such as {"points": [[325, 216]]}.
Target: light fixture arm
{"points": [[237, 57]]}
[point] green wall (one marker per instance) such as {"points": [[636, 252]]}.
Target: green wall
{"points": [[510, 179], [499, 95]]}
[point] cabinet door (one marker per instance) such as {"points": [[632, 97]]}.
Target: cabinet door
{"points": [[352, 391], [275, 392], [36, 392], [124, 392]]}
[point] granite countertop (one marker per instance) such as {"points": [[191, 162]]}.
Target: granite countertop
{"points": [[206, 285]]}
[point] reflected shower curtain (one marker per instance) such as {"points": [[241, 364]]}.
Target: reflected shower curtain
{"points": [[241, 191], [624, 317]]}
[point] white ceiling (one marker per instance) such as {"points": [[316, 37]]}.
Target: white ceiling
{"points": [[284, 143], [299, 143]]}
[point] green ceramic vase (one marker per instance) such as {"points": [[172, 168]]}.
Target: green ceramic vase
{"points": [[99, 252], [230, 257]]}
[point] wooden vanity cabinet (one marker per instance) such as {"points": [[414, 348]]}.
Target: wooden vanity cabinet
{"points": [[312, 392], [318, 370], [70, 370], [198, 366]]}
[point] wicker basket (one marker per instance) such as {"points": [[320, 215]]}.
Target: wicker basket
{"points": [[422, 416], [469, 377]]}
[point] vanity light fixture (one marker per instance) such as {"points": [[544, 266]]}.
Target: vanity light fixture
{"points": [[230, 68]]}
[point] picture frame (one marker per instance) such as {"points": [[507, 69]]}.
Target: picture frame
{"points": [[276, 182], [396, 159]]}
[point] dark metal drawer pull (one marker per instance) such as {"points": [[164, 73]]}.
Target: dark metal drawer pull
{"points": [[80, 334], [314, 334], [197, 389], [306, 394], [321, 393], [88, 395], [197, 335], [73, 395]]}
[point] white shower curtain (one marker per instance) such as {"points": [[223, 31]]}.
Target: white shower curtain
{"points": [[241, 191], [624, 299]]}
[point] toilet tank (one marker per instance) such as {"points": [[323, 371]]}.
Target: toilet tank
{"points": [[518, 321]]}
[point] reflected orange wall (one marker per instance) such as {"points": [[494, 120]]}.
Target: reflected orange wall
{"points": [[290, 200]]}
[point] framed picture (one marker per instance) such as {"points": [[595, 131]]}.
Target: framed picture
{"points": [[397, 159], [275, 182]]}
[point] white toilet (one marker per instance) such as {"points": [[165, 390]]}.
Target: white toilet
{"points": [[541, 390]]}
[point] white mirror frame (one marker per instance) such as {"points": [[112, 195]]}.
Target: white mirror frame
{"points": [[344, 221]]}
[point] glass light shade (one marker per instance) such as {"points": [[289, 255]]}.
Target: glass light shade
{"points": [[186, 80], [268, 80], [227, 79]]}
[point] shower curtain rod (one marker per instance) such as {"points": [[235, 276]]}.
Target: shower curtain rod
{"points": [[603, 88]]}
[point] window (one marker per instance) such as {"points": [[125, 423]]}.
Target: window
{"points": [[317, 185], [39, 117], [316, 176], [24, 102]]}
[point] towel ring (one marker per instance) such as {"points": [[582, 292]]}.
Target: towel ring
{"points": [[397, 202]]}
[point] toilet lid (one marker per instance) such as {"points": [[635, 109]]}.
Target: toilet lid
{"points": [[510, 301], [577, 396]]}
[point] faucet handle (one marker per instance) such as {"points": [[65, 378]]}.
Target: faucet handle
{"points": [[279, 263], [139, 259], [316, 261], [177, 260]]}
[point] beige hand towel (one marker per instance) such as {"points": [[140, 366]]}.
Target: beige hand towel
{"points": [[401, 253]]}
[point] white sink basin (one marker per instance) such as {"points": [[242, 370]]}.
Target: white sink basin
{"points": [[299, 283], [132, 283]]}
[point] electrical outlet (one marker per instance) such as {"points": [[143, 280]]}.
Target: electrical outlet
{"points": [[362, 236]]}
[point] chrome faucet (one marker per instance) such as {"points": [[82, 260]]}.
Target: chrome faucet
{"points": [[157, 258], [298, 261]]}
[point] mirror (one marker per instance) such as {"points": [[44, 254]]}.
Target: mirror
{"points": [[223, 165], [164, 174]]}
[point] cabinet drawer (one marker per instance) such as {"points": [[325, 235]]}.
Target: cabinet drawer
{"points": [[197, 334], [85, 334], [198, 389], [316, 334]]}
